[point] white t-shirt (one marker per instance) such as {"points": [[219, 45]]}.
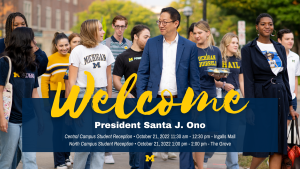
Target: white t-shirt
{"points": [[293, 67], [94, 60], [271, 54]]}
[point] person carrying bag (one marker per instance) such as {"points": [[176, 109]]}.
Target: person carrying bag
{"points": [[293, 148]]}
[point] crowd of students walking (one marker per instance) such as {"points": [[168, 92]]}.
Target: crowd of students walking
{"points": [[168, 61]]}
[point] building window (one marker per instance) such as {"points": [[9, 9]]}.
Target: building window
{"points": [[58, 20], [48, 17], [67, 1], [75, 2], [39, 16], [74, 19], [67, 20], [27, 12]]}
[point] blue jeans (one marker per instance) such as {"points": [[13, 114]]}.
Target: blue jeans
{"points": [[17, 159], [231, 157], [134, 160], [87, 160], [186, 160], [96, 160], [207, 156], [9, 143], [142, 157], [225, 92], [232, 160]]}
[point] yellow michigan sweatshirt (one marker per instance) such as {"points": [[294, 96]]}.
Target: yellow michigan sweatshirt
{"points": [[56, 69]]}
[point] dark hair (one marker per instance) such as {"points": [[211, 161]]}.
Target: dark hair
{"points": [[281, 32], [174, 14], [120, 17], [262, 15], [9, 25], [191, 28], [57, 36], [136, 30], [20, 51]]}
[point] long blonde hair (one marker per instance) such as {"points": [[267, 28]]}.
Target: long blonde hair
{"points": [[203, 25], [226, 40], [89, 33]]}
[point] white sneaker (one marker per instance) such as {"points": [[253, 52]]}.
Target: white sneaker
{"points": [[71, 160], [68, 162], [204, 165], [109, 160], [164, 156], [62, 166], [155, 154], [172, 155]]}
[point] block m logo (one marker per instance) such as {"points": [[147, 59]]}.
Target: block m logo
{"points": [[96, 65], [151, 158]]}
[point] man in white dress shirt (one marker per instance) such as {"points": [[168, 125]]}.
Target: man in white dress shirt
{"points": [[169, 62], [286, 38]]}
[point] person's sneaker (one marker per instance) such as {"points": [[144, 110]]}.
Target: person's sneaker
{"points": [[109, 160], [164, 156], [155, 154], [204, 165], [172, 155], [71, 159], [68, 162], [62, 166]]}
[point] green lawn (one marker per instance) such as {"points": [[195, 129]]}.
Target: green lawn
{"points": [[245, 162]]}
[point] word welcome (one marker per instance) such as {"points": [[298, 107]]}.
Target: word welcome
{"points": [[187, 103]]}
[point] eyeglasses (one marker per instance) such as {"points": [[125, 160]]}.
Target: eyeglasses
{"points": [[118, 27], [164, 23]]}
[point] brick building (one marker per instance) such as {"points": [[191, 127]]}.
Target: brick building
{"points": [[46, 17]]}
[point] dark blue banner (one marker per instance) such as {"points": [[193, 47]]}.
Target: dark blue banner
{"points": [[255, 129]]}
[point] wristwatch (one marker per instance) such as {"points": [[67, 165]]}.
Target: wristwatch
{"points": [[223, 87]]}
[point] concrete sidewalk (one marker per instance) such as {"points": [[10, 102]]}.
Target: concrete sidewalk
{"points": [[45, 161]]}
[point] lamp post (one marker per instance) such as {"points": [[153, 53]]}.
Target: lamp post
{"points": [[187, 11], [204, 10]]}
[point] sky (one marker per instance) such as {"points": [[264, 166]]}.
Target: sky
{"points": [[153, 2]]}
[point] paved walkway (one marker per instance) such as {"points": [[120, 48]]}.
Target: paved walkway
{"points": [[45, 161]]}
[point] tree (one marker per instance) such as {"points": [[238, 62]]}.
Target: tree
{"points": [[215, 18], [284, 12], [5, 10], [136, 14]]}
